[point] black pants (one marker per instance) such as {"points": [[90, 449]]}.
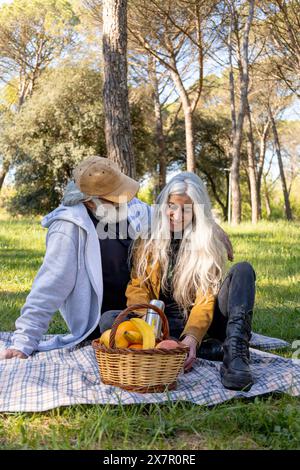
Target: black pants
{"points": [[237, 293]]}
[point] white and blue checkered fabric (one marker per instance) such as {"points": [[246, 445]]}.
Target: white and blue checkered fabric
{"points": [[70, 376]]}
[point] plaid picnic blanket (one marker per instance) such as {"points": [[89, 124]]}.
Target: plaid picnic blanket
{"points": [[70, 376]]}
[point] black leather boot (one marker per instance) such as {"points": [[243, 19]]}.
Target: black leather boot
{"points": [[235, 370], [211, 349]]}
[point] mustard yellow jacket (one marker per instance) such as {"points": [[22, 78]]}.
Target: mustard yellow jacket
{"points": [[200, 316]]}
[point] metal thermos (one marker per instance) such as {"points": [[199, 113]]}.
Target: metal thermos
{"points": [[153, 319]]}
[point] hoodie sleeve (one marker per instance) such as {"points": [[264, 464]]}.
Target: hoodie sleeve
{"points": [[52, 285]]}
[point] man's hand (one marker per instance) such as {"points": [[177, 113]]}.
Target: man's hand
{"points": [[191, 342], [10, 353], [226, 242]]}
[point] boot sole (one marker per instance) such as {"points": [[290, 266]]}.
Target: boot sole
{"points": [[238, 382]]}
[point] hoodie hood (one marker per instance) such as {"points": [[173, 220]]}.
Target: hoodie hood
{"points": [[76, 214]]}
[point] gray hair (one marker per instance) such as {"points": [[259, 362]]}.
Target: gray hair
{"points": [[201, 257], [187, 178], [73, 195]]}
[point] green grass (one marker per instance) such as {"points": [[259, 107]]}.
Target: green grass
{"points": [[271, 422]]}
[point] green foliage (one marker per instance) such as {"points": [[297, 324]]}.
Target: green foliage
{"points": [[62, 120], [141, 110], [146, 192], [32, 34], [9, 94], [211, 136], [61, 124], [277, 201], [34, 10]]}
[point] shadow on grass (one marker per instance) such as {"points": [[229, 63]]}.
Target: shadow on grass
{"points": [[14, 258]]}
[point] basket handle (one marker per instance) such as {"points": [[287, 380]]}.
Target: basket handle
{"points": [[123, 314]]}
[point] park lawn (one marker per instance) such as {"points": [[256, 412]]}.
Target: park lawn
{"points": [[271, 422]]}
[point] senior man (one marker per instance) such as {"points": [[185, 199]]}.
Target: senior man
{"points": [[76, 277]]}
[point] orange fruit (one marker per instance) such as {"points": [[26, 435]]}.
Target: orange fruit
{"points": [[136, 346]]}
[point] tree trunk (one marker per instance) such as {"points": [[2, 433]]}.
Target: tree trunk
{"points": [[262, 153], [267, 198], [252, 168], [287, 206], [189, 140], [235, 181], [224, 207], [159, 132], [115, 92], [227, 216], [3, 172], [188, 121], [239, 122]]}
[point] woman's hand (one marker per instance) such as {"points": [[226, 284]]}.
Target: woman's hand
{"points": [[192, 343], [10, 353]]}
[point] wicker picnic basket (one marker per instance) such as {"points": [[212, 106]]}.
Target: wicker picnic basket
{"points": [[140, 370]]}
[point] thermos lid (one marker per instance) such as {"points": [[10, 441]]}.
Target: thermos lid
{"points": [[158, 303]]}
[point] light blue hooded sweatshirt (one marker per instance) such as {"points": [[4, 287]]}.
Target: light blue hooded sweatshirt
{"points": [[70, 278]]}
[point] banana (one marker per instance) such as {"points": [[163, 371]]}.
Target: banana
{"points": [[133, 337], [146, 332]]}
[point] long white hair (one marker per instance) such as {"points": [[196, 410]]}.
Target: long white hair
{"points": [[201, 257]]}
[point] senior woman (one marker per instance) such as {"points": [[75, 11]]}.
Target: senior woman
{"points": [[182, 262]]}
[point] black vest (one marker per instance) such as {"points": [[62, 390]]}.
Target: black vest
{"points": [[115, 269]]}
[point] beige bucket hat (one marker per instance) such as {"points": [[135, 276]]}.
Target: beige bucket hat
{"points": [[101, 177]]}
